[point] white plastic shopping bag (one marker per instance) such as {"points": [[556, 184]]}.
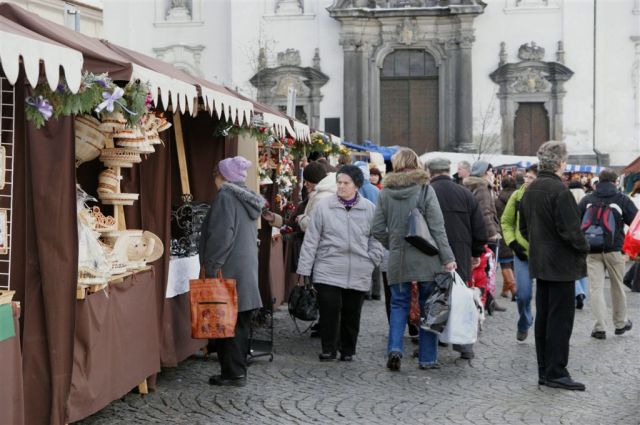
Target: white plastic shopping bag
{"points": [[462, 326]]}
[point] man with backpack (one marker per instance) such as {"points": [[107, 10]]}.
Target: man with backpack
{"points": [[604, 212]]}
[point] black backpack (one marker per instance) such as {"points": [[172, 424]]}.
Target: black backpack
{"points": [[599, 224]]}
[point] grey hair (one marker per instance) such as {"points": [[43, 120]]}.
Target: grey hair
{"points": [[465, 164], [551, 154]]}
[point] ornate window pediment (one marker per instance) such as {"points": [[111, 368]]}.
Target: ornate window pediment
{"points": [[273, 83], [530, 80]]}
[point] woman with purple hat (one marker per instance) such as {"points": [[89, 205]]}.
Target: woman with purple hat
{"points": [[229, 243]]}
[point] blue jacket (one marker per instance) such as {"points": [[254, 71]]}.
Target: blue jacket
{"points": [[370, 192]]}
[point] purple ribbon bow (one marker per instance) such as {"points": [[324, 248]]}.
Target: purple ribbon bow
{"points": [[110, 99], [42, 105]]}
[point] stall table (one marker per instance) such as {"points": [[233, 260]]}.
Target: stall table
{"points": [[117, 344], [177, 342]]}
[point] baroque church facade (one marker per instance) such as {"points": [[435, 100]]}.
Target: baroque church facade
{"points": [[494, 76]]}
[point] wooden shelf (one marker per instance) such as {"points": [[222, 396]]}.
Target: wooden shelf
{"points": [[83, 290]]}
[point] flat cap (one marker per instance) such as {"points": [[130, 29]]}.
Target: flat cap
{"points": [[439, 164]]}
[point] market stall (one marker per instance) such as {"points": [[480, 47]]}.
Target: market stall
{"points": [[11, 395], [70, 365]]}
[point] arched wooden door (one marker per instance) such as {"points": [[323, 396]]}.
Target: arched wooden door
{"points": [[531, 128], [409, 101]]}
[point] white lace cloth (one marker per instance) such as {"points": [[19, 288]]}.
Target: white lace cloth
{"points": [[181, 269]]}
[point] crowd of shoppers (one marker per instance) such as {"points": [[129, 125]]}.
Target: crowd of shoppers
{"points": [[352, 223]]}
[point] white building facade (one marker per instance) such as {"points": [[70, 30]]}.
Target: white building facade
{"points": [[459, 75]]}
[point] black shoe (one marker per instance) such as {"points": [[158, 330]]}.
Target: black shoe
{"points": [[599, 334], [521, 336], [315, 334], [565, 383], [415, 340], [542, 380], [325, 357], [393, 363], [315, 327], [513, 298], [580, 301], [442, 344], [376, 297], [346, 357], [218, 380], [467, 355], [626, 328]]}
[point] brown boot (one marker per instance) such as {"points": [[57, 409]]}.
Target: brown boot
{"points": [[508, 283]]}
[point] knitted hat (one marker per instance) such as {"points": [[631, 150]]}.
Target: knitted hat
{"points": [[234, 169], [314, 172], [479, 168], [354, 172]]}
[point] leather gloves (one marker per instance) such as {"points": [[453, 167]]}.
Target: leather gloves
{"points": [[520, 252]]}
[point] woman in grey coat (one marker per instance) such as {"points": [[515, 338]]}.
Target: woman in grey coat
{"points": [[229, 243], [341, 252], [406, 263]]}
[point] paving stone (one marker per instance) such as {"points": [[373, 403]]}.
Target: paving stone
{"points": [[499, 386]]}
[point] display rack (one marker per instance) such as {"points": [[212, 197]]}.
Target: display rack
{"points": [[7, 138]]}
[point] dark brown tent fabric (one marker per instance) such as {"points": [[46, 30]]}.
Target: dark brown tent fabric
{"points": [[98, 58], [116, 344], [44, 260], [11, 396]]}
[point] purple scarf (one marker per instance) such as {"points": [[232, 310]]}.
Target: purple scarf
{"points": [[350, 203]]}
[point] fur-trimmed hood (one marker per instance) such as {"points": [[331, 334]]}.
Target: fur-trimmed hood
{"points": [[251, 201], [403, 185], [473, 183]]}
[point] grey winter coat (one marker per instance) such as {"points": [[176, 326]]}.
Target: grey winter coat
{"points": [[229, 240], [338, 246], [398, 197]]}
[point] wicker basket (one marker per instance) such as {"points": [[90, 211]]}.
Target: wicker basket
{"points": [[163, 124], [89, 139], [108, 182], [119, 157], [112, 122], [103, 223], [152, 137], [118, 198]]}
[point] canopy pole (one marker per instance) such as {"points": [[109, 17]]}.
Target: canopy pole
{"points": [[182, 158]]}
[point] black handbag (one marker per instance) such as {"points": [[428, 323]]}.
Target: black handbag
{"points": [[303, 304], [418, 233]]}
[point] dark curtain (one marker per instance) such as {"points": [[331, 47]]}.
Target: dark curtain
{"points": [[44, 259]]}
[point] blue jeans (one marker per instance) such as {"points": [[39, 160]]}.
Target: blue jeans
{"points": [[400, 304], [581, 287], [524, 293]]}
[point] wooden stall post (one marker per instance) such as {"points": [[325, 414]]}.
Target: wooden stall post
{"points": [[182, 158]]}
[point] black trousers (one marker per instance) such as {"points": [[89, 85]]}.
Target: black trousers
{"points": [[232, 352], [555, 311], [632, 278], [340, 311]]}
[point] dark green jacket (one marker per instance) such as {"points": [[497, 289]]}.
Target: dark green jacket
{"points": [[398, 197]]}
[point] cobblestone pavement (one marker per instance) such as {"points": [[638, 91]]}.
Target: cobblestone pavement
{"points": [[498, 387]]}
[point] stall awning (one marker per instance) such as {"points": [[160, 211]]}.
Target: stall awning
{"points": [[633, 167], [20, 44], [303, 132], [217, 98], [386, 151]]}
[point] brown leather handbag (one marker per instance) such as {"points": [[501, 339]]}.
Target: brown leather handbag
{"points": [[214, 307]]}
